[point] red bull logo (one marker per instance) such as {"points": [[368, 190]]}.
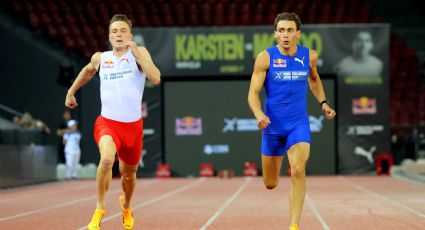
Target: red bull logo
{"points": [[279, 62], [364, 105], [108, 64], [188, 125]]}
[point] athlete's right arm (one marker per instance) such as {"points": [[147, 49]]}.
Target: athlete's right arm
{"points": [[85, 75], [261, 66]]}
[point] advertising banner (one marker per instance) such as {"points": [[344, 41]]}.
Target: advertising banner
{"points": [[152, 131], [210, 122], [358, 54]]}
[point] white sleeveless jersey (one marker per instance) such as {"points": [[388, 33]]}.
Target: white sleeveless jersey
{"points": [[121, 87]]}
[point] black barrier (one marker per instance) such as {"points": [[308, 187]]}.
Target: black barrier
{"points": [[210, 121], [21, 136], [24, 165], [152, 131]]}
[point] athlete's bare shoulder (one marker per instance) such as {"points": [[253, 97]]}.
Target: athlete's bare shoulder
{"points": [[142, 48], [95, 60], [313, 57], [263, 60], [264, 54]]}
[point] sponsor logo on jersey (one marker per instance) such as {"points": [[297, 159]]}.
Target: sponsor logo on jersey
{"points": [[280, 63], [289, 75], [300, 60], [108, 64]]}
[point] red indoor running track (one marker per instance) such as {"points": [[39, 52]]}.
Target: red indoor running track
{"points": [[332, 202]]}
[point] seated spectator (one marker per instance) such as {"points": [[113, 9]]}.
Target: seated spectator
{"points": [[27, 121]]}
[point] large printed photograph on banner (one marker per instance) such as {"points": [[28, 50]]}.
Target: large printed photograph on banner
{"points": [[364, 120]]}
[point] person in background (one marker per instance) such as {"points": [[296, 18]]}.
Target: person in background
{"points": [[71, 140], [27, 121], [66, 116]]}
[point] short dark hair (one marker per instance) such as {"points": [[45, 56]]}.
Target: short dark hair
{"points": [[120, 17], [288, 17]]}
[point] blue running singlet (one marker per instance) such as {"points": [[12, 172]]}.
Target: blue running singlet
{"points": [[286, 87]]}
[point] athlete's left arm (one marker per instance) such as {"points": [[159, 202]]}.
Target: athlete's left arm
{"points": [[316, 86], [144, 59]]}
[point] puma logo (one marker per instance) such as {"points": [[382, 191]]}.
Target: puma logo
{"points": [[316, 124], [362, 152], [141, 163], [300, 61]]}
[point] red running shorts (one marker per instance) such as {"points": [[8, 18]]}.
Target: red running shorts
{"points": [[128, 137]]}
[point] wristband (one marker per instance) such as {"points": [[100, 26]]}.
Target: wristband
{"points": [[323, 102]]}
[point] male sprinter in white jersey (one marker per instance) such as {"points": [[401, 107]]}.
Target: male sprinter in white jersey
{"points": [[286, 70], [119, 128]]}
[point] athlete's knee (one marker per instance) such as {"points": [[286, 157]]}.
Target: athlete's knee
{"points": [[297, 171], [128, 175], [128, 172], [106, 162]]}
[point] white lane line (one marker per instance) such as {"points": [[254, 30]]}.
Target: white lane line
{"points": [[359, 187], [316, 213], [19, 198], [229, 201], [59, 205], [118, 214]]}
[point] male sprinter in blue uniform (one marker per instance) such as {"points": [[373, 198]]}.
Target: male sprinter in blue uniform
{"points": [[286, 70]]}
